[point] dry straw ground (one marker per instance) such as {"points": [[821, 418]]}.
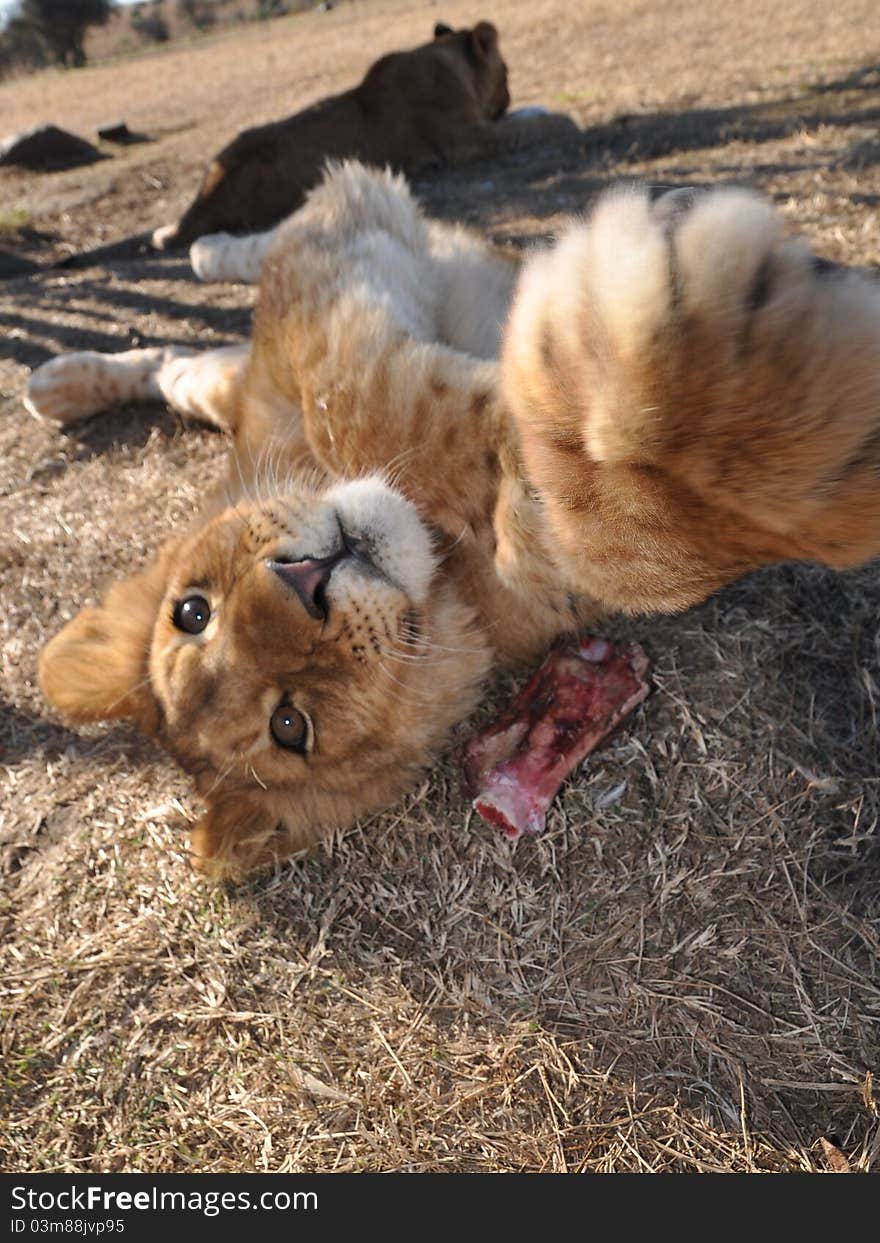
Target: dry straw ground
{"points": [[682, 973]]}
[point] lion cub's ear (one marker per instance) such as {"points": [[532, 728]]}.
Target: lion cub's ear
{"points": [[441, 29], [97, 668], [484, 37]]}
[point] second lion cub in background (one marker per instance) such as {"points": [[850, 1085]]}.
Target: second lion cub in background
{"points": [[410, 109]]}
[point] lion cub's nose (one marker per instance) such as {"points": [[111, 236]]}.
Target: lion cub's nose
{"points": [[309, 579]]}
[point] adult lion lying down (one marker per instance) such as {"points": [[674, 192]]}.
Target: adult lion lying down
{"points": [[410, 110], [684, 393]]}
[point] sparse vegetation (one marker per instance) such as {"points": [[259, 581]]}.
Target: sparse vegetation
{"points": [[198, 13], [271, 8], [22, 49], [151, 25], [58, 26], [28, 44], [13, 220]]}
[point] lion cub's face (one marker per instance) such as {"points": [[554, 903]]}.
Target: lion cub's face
{"points": [[293, 655], [276, 624]]}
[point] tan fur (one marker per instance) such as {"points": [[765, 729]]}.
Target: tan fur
{"points": [[374, 352], [409, 110], [695, 399], [690, 396]]}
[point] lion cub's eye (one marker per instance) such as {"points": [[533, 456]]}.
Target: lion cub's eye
{"points": [[192, 614], [290, 728]]}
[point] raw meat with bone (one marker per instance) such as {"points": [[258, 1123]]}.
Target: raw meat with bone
{"points": [[574, 700]]}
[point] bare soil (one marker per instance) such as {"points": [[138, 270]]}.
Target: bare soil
{"points": [[682, 972]]}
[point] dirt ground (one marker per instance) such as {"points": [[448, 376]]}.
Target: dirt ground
{"points": [[682, 973]]}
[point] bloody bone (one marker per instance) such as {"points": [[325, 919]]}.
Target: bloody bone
{"points": [[573, 701]]}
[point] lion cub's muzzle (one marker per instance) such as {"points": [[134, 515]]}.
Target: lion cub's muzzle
{"points": [[309, 579], [310, 576]]}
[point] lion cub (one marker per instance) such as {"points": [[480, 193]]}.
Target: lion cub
{"points": [[410, 110], [684, 392]]}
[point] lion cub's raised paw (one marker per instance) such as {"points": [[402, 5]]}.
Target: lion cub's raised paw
{"points": [[697, 394]]}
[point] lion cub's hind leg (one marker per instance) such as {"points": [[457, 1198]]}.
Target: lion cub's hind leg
{"points": [[76, 386], [204, 386]]}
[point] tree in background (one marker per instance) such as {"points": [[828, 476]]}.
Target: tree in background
{"points": [[198, 13], [21, 48], [151, 25], [61, 25]]}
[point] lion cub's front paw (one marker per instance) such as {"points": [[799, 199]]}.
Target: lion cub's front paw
{"points": [[164, 237], [76, 386]]}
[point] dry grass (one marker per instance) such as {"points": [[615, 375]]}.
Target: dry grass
{"points": [[682, 973]]}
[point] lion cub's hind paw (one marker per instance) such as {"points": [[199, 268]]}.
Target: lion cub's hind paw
{"points": [[76, 386]]}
